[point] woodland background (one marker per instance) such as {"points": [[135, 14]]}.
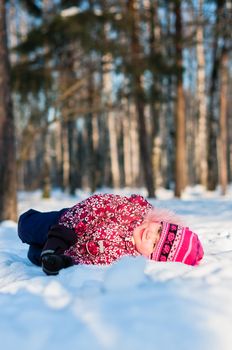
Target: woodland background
{"points": [[106, 93]]}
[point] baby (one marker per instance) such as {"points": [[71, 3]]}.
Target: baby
{"points": [[102, 229]]}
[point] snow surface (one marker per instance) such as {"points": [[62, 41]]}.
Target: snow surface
{"points": [[133, 304]]}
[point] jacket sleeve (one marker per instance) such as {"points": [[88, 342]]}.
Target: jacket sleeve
{"points": [[60, 238]]}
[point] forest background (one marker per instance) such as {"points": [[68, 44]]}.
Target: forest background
{"points": [[106, 93]]}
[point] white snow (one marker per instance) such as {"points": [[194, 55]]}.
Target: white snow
{"points": [[134, 304]]}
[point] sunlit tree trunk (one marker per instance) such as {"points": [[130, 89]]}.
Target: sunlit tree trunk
{"points": [[99, 163], [112, 126], [65, 156], [130, 145], [127, 151], [112, 119], [136, 166], [201, 137], [180, 162], [8, 181], [229, 109], [223, 144]]}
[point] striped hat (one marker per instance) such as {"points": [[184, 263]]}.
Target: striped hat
{"points": [[178, 243]]}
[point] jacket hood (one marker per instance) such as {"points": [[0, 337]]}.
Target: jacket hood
{"points": [[162, 214]]}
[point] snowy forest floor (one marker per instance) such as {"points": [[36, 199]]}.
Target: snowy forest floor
{"points": [[134, 304]]}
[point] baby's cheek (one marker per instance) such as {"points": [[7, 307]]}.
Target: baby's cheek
{"points": [[147, 247]]}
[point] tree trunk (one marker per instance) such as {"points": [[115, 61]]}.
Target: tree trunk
{"points": [[8, 180], [180, 162], [155, 89], [115, 171], [72, 143], [138, 92], [111, 117], [130, 144], [223, 144], [127, 148], [169, 139], [91, 158], [136, 165], [46, 173], [58, 153], [201, 137], [212, 158], [65, 156], [98, 156]]}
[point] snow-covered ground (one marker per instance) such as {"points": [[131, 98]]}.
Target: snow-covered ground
{"points": [[134, 304]]}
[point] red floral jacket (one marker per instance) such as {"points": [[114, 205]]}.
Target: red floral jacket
{"points": [[104, 225]]}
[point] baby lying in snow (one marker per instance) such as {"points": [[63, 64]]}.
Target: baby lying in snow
{"points": [[102, 229]]}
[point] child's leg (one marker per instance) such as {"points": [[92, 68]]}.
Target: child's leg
{"points": [[34, 254], [33, 228]]}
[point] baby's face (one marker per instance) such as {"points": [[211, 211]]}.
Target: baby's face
{"points": [[146, 237]]}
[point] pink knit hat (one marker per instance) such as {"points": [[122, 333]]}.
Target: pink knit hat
{"points": [[178, 243]]}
